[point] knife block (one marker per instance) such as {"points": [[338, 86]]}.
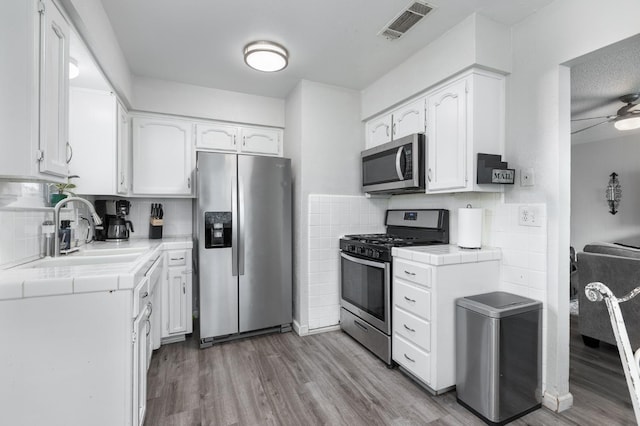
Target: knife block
{"points": [[155, 229]]}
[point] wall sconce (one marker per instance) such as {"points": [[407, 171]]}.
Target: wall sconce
{"points": [[614, 193]]}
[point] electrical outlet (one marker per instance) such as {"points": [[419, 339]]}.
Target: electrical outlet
{"points": [[529, 216], [527, 177]]}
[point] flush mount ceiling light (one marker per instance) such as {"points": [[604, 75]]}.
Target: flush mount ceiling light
{"points": [[266, 56], [74, 71]]}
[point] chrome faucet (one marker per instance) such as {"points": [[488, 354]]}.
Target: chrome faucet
{"points": [[56, 219]]}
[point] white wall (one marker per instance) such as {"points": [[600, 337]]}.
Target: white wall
{"points": [[476, 40], [169, 97], [324, 139], [293, 150], [538, 136], [92, 22], [591, 165]]}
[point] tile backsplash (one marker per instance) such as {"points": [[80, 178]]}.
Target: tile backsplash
{"points": [[330, 217], [23, 209]]}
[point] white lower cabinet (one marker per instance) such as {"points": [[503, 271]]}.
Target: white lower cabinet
{"points": [[423, 316], [176, 294]]}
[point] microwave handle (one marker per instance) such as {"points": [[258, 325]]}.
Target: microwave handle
{"points": [[399, 155]]}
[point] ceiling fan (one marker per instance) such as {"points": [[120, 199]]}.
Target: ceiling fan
{"points": [[625, 119]]}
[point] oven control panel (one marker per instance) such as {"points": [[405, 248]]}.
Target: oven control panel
{"points": [[365, 250]]}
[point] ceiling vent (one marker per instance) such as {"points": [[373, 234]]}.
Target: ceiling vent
{"points": [[405, 20]]}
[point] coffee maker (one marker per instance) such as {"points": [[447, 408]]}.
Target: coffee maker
{"points": [[113, 213]]}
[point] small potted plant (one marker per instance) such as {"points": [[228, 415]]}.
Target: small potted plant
{"points": [[62, 190]]}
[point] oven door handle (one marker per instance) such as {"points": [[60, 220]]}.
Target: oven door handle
{"points": [[399, 156], [380, 265]]}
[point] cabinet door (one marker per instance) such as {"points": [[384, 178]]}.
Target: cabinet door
{"points": [[92, 133], [261, 141], [54, 91], [447, 137], [123, 150], [177, 301], [219, 137], [139, 397], [161, 156], [409, 119], [378, 131]]}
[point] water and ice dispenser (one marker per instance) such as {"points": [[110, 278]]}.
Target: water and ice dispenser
{"points": [[217, 227]]}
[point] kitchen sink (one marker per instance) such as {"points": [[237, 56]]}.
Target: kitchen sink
{"points": [[79, 259]]}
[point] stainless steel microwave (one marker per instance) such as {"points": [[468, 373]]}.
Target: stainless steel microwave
{"points": [[395, 167]]}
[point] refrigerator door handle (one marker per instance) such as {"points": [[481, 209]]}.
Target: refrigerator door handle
{"points": [[241, 225], [234, 227]]}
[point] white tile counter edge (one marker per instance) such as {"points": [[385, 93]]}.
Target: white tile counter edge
{"points": [[448, 254], [18, 283]]}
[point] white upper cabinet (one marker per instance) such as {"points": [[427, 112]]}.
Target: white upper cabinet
{"points": [[447, 139], [92, 134], [464, 117], [34, 40], [378, 131], [54, 90], [162, 156], [402, 121], [219, 137], [264, 141], [409, 119], [123, 147], [239, 139]]}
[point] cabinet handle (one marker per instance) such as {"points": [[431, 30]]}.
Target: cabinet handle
{"points": [[409, 328], [387, 129], [409, 300], [148, 327], [177, 258], [413, 274], [70, 151], [407, 357], [184, 288], [394, 130], [189, 183], [145, 294], [244, 141], [429, 174], [234, 140]]}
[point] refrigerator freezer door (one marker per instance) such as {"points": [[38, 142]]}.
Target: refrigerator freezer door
{"points": [[217, 175], [264, 186]]}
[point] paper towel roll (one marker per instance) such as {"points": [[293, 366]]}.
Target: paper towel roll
{"points": [[470, 228]]}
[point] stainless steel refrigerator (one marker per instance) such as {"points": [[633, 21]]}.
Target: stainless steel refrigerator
{"points": [[243, 232]]}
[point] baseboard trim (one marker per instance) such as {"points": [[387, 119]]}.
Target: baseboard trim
{"points": [[301, 330], [557, 403], [324, 329]]}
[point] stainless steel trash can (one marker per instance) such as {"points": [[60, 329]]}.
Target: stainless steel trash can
{"points": [[498, 355]]}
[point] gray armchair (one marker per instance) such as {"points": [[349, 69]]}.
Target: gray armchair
{"points": [[618, 267]]}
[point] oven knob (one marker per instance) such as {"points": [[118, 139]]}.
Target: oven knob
{"points": [[361, 250], [351, 248], [375, 254], [369, 252]]}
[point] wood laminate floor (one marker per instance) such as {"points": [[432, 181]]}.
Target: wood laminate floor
{"points": [[329, 379]]}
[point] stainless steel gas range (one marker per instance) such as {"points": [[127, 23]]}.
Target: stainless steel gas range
{"points": [[365, 267]]}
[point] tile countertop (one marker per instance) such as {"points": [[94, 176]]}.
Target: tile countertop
{"points": [[446, 254], [23, 281]]}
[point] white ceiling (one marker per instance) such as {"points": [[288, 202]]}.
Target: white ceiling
{"points": [[597, 81], [330, 41]]}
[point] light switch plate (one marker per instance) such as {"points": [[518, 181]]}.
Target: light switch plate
{"points": [[529, 216]]}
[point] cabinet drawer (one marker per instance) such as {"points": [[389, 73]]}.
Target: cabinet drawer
{"points": [[410, 271], [412, 299], [413, 359], [414, 329], [176, 258]]}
